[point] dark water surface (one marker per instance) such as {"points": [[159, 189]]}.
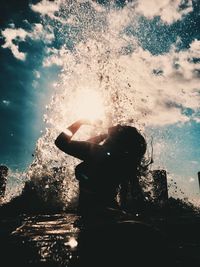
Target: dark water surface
{"points": [[125, 240]]}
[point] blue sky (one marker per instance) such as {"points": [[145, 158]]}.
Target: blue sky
{"points": [[154, 46]]}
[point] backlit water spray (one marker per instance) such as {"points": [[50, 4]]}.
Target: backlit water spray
{"points": [[107, 75]]}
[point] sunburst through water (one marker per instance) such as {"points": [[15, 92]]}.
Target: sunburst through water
{"points": [[106, 74]]}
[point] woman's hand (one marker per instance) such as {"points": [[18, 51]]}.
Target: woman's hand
{"points": [[76, 125]]}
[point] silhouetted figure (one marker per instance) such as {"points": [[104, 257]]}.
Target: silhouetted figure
{"points": [[3, 179], [106, 167]]}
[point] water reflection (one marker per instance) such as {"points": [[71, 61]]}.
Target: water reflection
{"points": [[72, 243], [48, 239], [63, 240]]}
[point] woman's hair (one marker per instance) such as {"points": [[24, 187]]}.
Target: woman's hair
{"points": [[129, 140]]}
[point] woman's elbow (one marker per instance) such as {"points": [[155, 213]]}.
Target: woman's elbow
{"points": [[60, 140]]}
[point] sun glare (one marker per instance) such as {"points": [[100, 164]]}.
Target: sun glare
{"points": [[88, 105]]}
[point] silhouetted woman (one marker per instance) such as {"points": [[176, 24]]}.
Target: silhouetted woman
{"points": [[105, 166]]}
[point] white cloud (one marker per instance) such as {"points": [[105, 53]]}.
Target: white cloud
{"points": [[6, 102], [195, 47], [53, 60], [11, 34], [168, 10], [187, 185], [162, 115], [14, 36], [191, 180], [119, 19], [36, 74], [55, 57], [46, 7], [60, 57], [194, 162], [41, 33], [35, 84], [197, 120]]}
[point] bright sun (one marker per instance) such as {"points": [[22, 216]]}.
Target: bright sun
{"points": [[88, 104]]}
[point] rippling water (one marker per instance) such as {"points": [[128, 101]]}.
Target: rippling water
{"points": [[65, 240]]}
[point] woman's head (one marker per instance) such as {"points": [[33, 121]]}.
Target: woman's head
{"points": [[127, 139]]}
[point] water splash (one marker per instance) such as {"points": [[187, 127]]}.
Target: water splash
{"points": [[96, 51], [15, 184], [91, 62]]}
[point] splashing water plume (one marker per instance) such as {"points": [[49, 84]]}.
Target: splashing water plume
{"points": [[107, 75]]}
